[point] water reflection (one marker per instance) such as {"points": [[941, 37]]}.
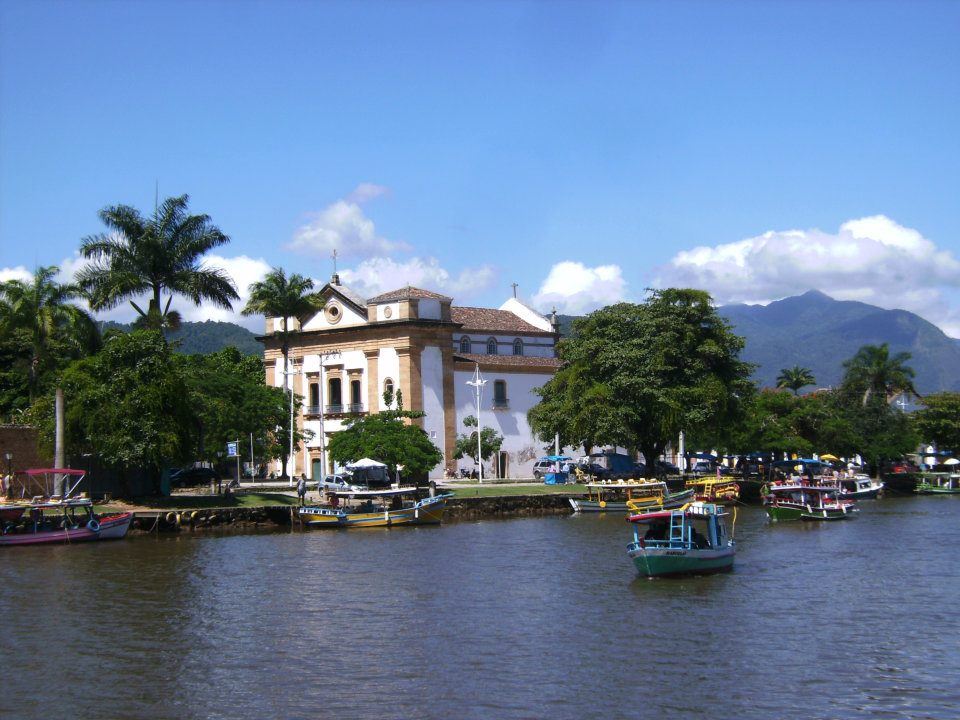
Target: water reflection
{"points": [[516, 619]]}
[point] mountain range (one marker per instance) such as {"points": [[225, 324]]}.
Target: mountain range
{"points": [[811, 330], [815, 331]]}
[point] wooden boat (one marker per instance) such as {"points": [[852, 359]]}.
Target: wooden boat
{"points": [[799, 501], [939, 484], [715, 490], [46, 519], [629, 496], [375, 508], [691, 540]]}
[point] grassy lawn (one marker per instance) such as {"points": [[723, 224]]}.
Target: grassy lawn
{"points": [[200, 502], [494, 490]]}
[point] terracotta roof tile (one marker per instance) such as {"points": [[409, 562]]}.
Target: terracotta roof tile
{"points": [[408, 293], [490, 320], [547, 363]]}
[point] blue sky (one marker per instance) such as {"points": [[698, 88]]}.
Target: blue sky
{"points": [[583, 150]]}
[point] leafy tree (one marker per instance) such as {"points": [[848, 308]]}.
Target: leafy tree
{"points": [[795, 378], [42, 330], [126, 404], [386, 438], [873, 372], [490, 441], [571, 406], [230, 400], [154, 255], [939, 420], [279, 296], [667, 365]]}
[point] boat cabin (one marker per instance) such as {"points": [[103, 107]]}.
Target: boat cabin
{"points": [[698, 526]]}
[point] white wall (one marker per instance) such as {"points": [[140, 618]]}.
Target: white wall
{"points": [[511, 422], [394, 311], [349, 317], [431, 376], [388, 366], [532, 346], [428, 309], [527, 314]]}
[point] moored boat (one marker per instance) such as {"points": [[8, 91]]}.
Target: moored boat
{"points": [[858, 487], [939, 484], [375, 508], [629, 496], [799, 501], [52, 519], [715, 490], [691, 540]]}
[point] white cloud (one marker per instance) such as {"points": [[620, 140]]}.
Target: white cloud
{"points": [[15, 273], [343, 226], [575, 288], [872, 259], [377, 275]]}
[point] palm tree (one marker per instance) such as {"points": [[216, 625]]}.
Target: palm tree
{"points": [[279, 296], [153, 256], [795, 378], [873, 371], [41, 309]]}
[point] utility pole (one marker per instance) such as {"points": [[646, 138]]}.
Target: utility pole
{"points": [[477, 384]]}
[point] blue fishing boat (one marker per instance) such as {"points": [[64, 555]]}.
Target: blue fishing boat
{"points": [[691, 540]]}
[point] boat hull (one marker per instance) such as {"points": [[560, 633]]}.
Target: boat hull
{"points": [[900, 483], [115, 527], [424, 513], [673, 562], [781, 513], [674, 500]]}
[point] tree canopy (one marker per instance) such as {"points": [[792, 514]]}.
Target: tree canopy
{"points": [[938, 421], [873, 372], [490, 441], [385, 437], [795, 378], [669, 364]]}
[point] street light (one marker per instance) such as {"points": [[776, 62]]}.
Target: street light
{"points": [[477, 384], [9, 456]]}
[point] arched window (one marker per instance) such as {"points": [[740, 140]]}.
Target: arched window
{"points": [[492, 346], [465, 344], [388, 391], [518, 347], [500, 393]]}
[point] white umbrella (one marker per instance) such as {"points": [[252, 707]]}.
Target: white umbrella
{"points": [[365, 463], [951, 461]]}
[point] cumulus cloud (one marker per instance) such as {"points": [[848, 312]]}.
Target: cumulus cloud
{"points": [[575, 288], [343, 226], [15, 273], [377, 275], [872, 259]]}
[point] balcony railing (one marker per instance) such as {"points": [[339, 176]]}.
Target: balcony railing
{"points": [[500, 403], [351, 409], [312, 410]]}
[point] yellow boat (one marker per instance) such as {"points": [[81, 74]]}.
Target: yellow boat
{"points": [[375, 508], [715, 490]]}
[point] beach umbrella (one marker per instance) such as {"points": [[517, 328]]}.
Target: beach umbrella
{"points": [[829, 458], [951, 461]]}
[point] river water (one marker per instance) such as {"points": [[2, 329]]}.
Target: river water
{"points": [[525, 618]]}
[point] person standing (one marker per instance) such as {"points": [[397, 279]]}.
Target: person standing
{"points": [[302, 487]]}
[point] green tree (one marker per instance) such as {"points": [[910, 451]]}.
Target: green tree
{"points": [[153, 256], [230, 400], [795, 378], [42, 327], [938, 421], [572, 406], [668, 365], [490, 441], [387, 438], [873, 372], [279, 296], [126, 404]]}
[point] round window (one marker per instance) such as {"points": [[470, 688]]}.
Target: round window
{"points": [[333, 313], [388, 311]]}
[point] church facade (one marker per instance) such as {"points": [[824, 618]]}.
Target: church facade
{"points": [[421, 344]]}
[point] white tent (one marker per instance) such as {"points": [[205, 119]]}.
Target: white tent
{"points": [[365, 463]]}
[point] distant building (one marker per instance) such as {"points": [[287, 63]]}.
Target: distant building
{"points": [[417, 342]]}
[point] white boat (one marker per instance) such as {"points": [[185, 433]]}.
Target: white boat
{"points": [[858, 487]]}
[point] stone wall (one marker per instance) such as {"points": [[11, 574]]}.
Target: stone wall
{"points": [[21, 442]]}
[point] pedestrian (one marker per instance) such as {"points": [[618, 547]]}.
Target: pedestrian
{"points": [[302, 486]]}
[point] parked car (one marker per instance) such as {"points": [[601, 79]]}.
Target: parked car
{"points": [[666, 468], [544, 465], [193, 476]]}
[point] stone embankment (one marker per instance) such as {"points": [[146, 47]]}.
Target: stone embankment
{"points": [[473, 508]]}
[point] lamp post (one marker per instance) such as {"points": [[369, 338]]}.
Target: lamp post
{"points": [[477, 384], [325, 356], [288, 373], [9, 457]]}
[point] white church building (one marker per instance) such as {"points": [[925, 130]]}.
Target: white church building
{"points": [[420, 343]]}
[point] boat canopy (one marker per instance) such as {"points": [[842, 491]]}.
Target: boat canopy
{"points": [[365, 463], [59, 471]]}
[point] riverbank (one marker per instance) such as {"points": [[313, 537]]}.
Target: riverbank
{"points": [[470, 501]]}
